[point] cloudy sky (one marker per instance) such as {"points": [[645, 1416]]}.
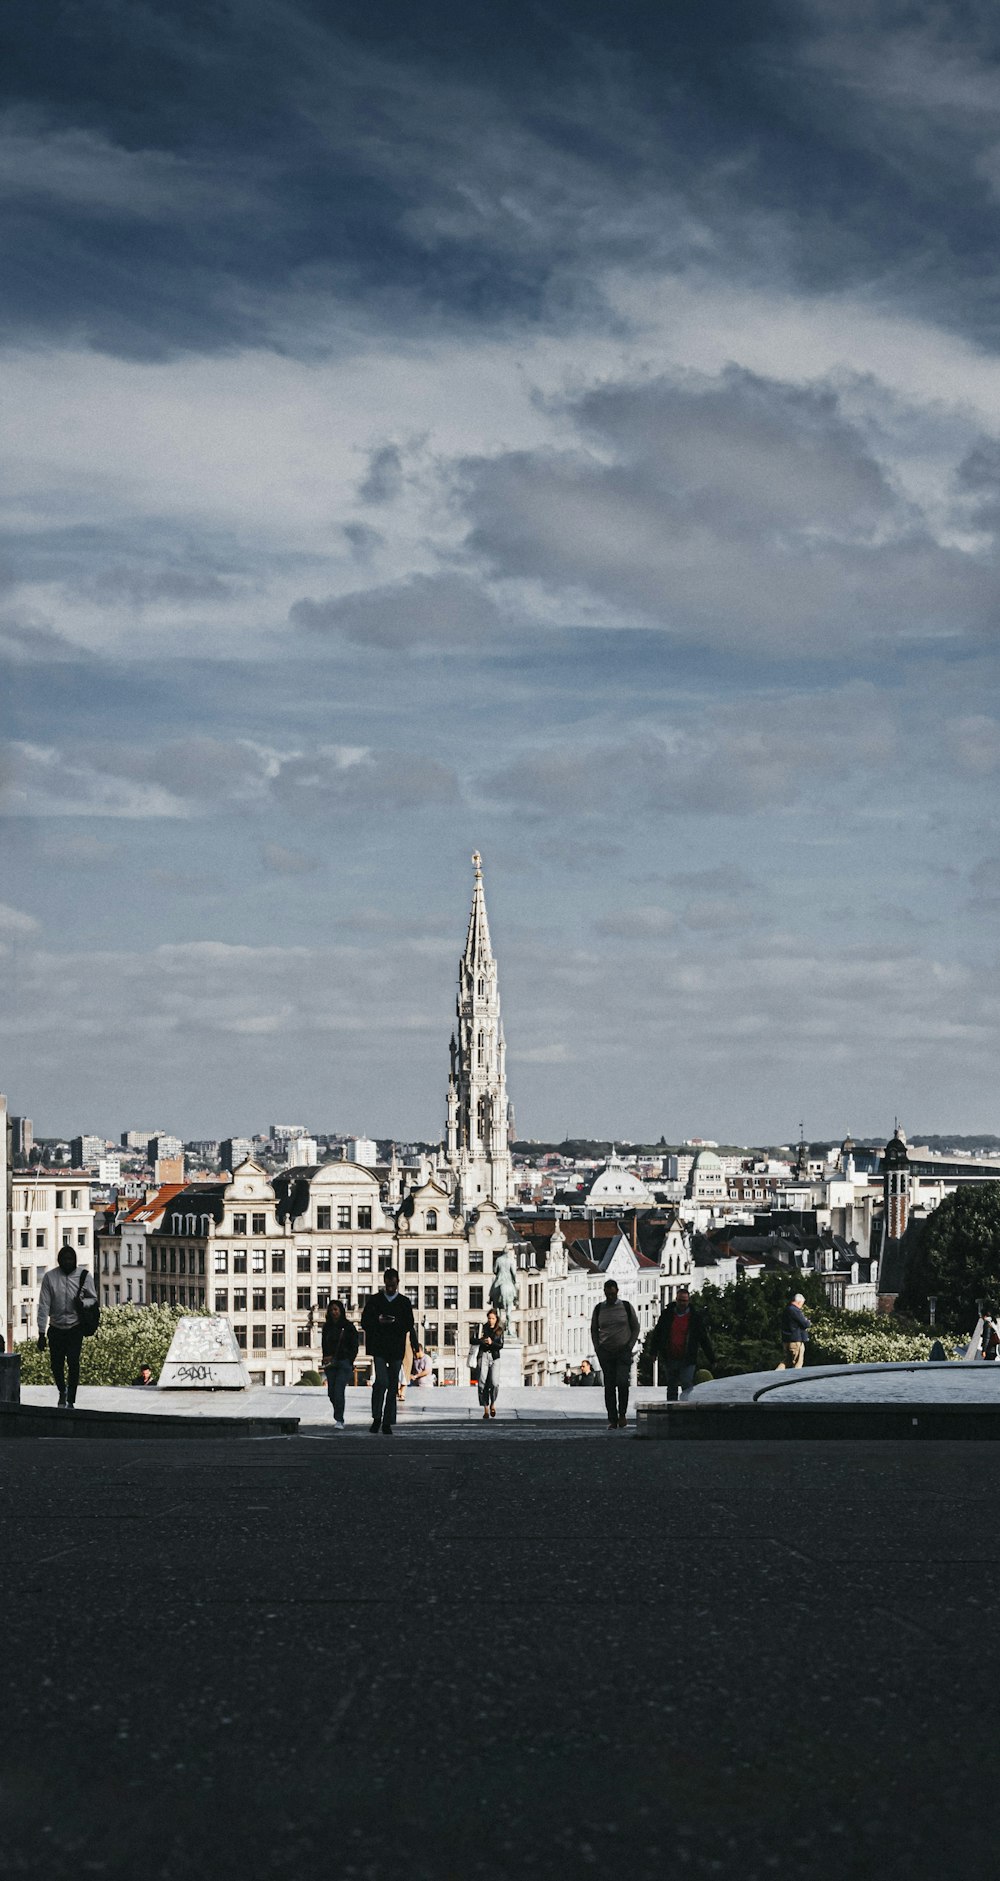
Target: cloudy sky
{"points": [[568, 431]]}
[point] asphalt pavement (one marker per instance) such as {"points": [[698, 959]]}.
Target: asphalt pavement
{"points": [[431, 1657]]}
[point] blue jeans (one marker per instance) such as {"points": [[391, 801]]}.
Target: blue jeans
{"points": [[339, 1373], [680, 1377], [489, 1379], [384, 1390]]}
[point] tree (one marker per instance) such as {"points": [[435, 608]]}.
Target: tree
{"points": [[128, 1337], [957, 1257]]}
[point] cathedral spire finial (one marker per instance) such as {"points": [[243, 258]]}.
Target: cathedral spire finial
{"points": [[477, 863]]}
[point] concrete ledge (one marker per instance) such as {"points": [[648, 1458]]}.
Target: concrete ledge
{"points": [[787, 1421], [36, 1420]]}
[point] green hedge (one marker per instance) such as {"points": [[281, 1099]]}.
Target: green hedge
{"points": [[129, 1337]]}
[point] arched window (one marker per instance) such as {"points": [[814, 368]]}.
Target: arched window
{"points": [[432, 1220]]}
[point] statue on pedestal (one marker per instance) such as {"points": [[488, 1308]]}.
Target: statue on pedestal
{"points": [[503, 1291]]}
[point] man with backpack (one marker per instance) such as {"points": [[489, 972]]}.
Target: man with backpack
{"points": [[67, 1297]]}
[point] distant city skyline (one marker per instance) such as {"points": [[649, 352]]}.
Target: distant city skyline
{"points": [[579, 443]]}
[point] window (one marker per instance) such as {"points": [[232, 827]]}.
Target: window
{"points": [[74, 1198], [60, 1198], [324, 1260], [201, 1261], [474, 1331], [303, 1262], [431, 1332], [344, 1296], [222, 1299], [450, 1335], [431, 1297], [241, 1335], [173, 1260], [384, 1259], [343, 1260], [239, 1224], [258, 1224], [475, 1260], [302, 1336], [343, 1214], [277, 1378], [451, 1299], [25, 1238], [413, 1295], [259, 1338], [303, 1299], [430, 1260], [364, 1260], [364, 1217], [278, 1338], [26, 1276], [411, 1261], [278, 1261], [451, 1260], [258, 1260], [277, 1299], [260, 1299], [475, 1297], [182, 1261], [201, 1296], [432, 1220], [221, 1260], [364, 1293], [239, 1299], [239, 1261], [39, 1237], [322, 1296], [323, 1218], [258, 1378]]}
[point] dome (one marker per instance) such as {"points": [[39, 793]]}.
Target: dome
{"points": [[706, 1159]]}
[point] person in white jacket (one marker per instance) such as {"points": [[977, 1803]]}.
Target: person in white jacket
{"points": [[64, 1289]]}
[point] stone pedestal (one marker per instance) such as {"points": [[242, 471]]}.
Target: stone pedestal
{"points": [[512, 1366], [10, 1378], [204, 1356]]}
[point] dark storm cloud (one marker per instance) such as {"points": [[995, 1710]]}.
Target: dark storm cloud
{"points": [[729, 510], [183, 178]]}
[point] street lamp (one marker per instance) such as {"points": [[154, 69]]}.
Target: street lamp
{"points": [[932, 1306]]}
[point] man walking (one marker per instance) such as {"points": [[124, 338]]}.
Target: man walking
{"points": [[677, 1336], [794, 1334], [614, 1334], [387, 1322], [64, 1290]]}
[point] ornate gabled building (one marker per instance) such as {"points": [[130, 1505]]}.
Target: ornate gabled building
{"points": [[477, 1140]]}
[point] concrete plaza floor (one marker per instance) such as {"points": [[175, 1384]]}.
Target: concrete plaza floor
{"points": [[451, 1660], [455, 1404]]}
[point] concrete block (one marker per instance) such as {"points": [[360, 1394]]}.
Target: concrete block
{"points": [[204, 1356]]}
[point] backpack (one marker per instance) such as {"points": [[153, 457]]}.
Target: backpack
{"points": [[89, 1316]]}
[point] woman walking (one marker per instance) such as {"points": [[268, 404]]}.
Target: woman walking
{"points": [[340, 1349], [490, 1348], [64, 1290]]}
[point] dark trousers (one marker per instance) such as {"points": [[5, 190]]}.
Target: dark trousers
{"points": [[384, 1390], [339, 1373], [616, 1369], [65, 1346]]}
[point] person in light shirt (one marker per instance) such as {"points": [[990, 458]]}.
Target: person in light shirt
{"points": [[64, 1289]]}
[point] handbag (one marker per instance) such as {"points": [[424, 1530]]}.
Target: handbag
{"points": [[89, 1316]]}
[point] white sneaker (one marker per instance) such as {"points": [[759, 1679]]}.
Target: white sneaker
{"points": [[338, 1424]]}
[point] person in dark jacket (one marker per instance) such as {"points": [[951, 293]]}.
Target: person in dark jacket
{"points": [[794, 1334], [340, 1349], [64, 1290], [614, 1335], [678, 1335], [488, 1369], [387, 1322]]}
